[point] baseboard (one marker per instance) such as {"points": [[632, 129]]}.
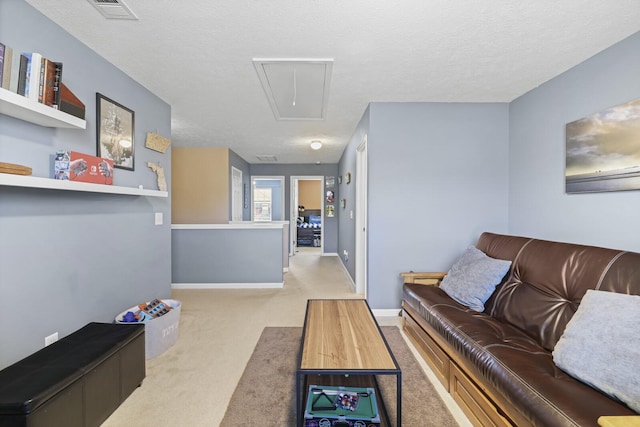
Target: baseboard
{"points": [[386, 312], [330, 254], [227, 285], [284, 270], [344, 267]]}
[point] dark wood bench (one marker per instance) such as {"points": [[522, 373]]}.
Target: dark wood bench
{"points": [[77, 381]]}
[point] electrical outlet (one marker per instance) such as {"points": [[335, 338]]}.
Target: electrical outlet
{"points": [[159, 218], [346, 255], [50, 339]]}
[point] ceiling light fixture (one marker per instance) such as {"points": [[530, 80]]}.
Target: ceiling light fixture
{"points": [[316, 145]]}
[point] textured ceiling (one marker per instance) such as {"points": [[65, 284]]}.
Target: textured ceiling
{"points": [[197, 56]]}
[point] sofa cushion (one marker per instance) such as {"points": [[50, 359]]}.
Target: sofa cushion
{"points": [[473, 278], [600, 345], [548, 280], [511, 362]]}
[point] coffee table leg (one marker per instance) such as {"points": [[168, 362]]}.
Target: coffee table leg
{"points": [[399, 397], [298, 400]]}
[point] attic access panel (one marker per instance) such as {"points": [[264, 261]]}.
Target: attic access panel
{"points": [[297, 89]]}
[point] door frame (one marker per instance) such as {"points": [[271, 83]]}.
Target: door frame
{"points": [[362, 231], [293, 214]]}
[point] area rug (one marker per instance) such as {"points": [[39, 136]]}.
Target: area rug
{"points": [[265, 395]]}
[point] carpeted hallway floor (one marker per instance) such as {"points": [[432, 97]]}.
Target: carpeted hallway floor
{"points": [[192, 382]]}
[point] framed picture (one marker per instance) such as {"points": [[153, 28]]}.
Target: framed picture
{"points": [[330, 196], [347, 177], [603, 150], [329, 211], [330, 181], [115, 131]]}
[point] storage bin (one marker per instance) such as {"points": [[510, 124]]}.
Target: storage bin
{"points": [[161, 332]]}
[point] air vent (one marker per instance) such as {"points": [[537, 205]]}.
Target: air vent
{"points": [[113, 9], [266, 158]]}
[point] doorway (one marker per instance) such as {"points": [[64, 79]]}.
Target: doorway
{"points": [[307, 215]]}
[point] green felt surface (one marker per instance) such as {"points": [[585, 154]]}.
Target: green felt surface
{"points": [[324, 402]]}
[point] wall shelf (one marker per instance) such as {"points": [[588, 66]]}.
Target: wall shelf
{"points": [[20, 107], [10, 180]]}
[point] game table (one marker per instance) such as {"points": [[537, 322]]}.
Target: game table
{"points": [[342, 346]]}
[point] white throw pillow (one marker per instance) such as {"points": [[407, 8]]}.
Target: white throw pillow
{"points": [[601, 345], [473, 278]]}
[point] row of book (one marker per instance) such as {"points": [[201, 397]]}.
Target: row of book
{"points": [[38, 78]]}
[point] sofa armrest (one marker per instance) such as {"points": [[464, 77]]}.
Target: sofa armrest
{"points": [[619, 421], [423, 278]]}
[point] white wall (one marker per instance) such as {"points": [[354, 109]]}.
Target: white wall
{"points": [[538, 204]]}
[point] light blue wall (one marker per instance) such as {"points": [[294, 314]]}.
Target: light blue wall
{"points": [[538, 205], [288, 170], [227, 255], [347, 224], [68, 258], [438, 177]]}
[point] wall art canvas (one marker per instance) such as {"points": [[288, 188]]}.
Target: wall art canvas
{"points": [[603, 151]]}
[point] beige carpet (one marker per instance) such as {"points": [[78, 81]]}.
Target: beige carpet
{"points": [[192, 383], [265, 393]]}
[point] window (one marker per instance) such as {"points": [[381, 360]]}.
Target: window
{"points": [[267, 198], [262, 204]]}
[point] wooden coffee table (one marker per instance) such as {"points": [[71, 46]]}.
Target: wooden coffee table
{"points": [[342, 345]]}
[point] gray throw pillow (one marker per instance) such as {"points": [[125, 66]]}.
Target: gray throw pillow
{"points": [[473, 278], [600, 345]]}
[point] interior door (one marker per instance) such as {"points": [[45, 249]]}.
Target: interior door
{"points": [[236, 194]]}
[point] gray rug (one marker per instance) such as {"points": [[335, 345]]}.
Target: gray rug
{"points": [[265, 394]]}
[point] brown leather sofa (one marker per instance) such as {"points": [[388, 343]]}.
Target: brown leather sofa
{"points": [[498, 364]]}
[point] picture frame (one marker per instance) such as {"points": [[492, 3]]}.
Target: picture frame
{"points": [[329, 211], [347, 177], [115, 131], [603, 150], [330, 196]]}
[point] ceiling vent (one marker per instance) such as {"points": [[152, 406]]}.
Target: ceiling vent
{"points": [[266, 158], [297, 89], [113, 9]]}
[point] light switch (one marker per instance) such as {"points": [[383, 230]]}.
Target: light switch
{"points": [[350, 214], [159, 218]]}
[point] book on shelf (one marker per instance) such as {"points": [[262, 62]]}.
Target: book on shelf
{"points": [[15, 72], [50, 82], [6, 67], [69, 103], [22, 75], [32, 76]]}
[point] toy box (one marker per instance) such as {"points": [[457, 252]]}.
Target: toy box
{"points": [[76, 166], [160, 333]]}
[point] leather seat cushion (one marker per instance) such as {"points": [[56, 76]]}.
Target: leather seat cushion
{"points": [[512, 362]]}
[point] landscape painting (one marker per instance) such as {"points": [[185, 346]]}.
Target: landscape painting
{"points": [[603, 151]]}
